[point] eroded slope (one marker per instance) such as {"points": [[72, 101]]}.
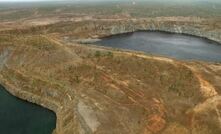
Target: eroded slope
{"points": [[105, 91]]}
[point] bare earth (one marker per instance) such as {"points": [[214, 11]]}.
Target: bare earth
{"points": [[98, 90]]}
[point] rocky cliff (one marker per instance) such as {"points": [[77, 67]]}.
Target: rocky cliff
{"points": [[94, 28]]}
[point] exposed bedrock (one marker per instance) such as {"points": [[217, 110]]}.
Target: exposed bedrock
{"points": [[100, 28]]}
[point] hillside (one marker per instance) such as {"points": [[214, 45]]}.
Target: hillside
{"points": [[100, 90]]}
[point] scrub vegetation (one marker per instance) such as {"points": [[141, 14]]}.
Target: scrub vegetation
{"points": [[109, 91]]}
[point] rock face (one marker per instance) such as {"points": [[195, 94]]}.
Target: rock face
{"points": [[197, 28], [104, 91], [92, 29]]}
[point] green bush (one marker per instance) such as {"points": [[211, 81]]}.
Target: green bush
{"points": [[97, 54], [110, 54]]}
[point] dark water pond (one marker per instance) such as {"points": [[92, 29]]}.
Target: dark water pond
{"points": [[166, 44], [21, 117]]}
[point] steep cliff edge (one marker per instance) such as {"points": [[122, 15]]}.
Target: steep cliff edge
{"points": [[97, 28], [86, 29]]}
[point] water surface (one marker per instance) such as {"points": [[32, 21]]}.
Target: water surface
{"points": [[166, 44], [21, 117]]}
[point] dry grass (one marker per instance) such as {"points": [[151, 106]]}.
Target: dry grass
{"points": [[129, 91]]}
